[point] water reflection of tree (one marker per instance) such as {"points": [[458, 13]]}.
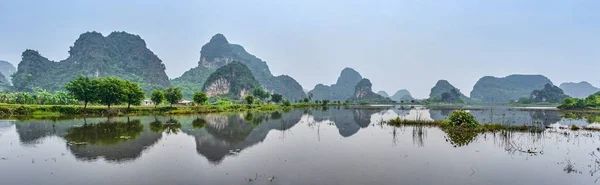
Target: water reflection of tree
{"points": [[106, 133], [459, 137], [171, 126], [112, 140], [198, 123]]}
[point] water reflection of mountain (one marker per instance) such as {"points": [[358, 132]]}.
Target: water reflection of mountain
{"points": [[506, 115], [347, 121], [123, 140], [224, 134]]}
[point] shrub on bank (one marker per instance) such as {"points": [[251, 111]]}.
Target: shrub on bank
{"points": [[463, 118]]}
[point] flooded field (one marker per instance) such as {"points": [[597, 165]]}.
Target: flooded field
{"points": [[311, 146]]}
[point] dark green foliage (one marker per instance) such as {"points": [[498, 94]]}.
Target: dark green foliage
{"points": [[237, 75], [173, 95], [276, 98], [119, 54], [463, 118], [363, 93], [249, 99], [192, 80], [260, 93], [84, 89], [111, 91], [579, 90], [287, 103], [200, 98], [199, 123], [157, 97], [591, 102], [550, 94], [503, 90], [134, 94], [341, 90]]}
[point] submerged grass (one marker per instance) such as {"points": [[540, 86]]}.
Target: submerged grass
{"points": [[445, 125]]}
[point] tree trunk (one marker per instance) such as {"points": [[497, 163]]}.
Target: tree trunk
{"points": [[85, 106], [109, 106], [128, 106]]}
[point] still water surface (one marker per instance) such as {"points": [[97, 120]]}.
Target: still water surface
{"points": [[312, 146]]}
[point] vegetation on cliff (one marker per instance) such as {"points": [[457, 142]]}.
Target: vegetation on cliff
{"points": [[445, 92], [503, 90], [219, 52], [363, 93], [119, 54], [233, 80], [549, 94], [341, 90]]}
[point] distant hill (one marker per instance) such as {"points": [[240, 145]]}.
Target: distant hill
{"points": [[219, 52], [363, 92], [503, 90], [402, 95], [383, 93], [341, 90], [7, 69], [445, 92], [119, 54], [233, 80], [4, 83], [579, 90], [549, 93]]}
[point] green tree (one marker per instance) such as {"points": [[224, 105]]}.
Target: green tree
{"points": [[111, 91], [200, 97], [276, 98], [133, 93], [173, 95], [84, 89], [249, 99], [157, 97], [260, 93]]}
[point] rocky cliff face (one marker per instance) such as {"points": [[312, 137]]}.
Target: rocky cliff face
{"points": [[119, 54], [6, 70], [363, 92], [341, 90], [219, 52], [579, 90], [233, 80], [502, 90]]}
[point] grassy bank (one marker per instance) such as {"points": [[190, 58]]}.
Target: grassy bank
{"points": [[18, 110]]}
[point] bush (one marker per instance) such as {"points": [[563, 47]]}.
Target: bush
{"points": [[463, 118], [287, 103]]}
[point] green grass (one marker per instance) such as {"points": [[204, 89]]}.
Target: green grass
{"points": [[18, 110]]}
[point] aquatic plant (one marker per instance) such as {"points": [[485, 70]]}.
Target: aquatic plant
{"points": [[463, 118]]}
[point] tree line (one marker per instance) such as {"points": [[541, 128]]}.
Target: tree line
{"points": [[114, 91]]}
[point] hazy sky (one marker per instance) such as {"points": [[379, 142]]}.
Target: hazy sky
{"points": [[397, 44]]}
